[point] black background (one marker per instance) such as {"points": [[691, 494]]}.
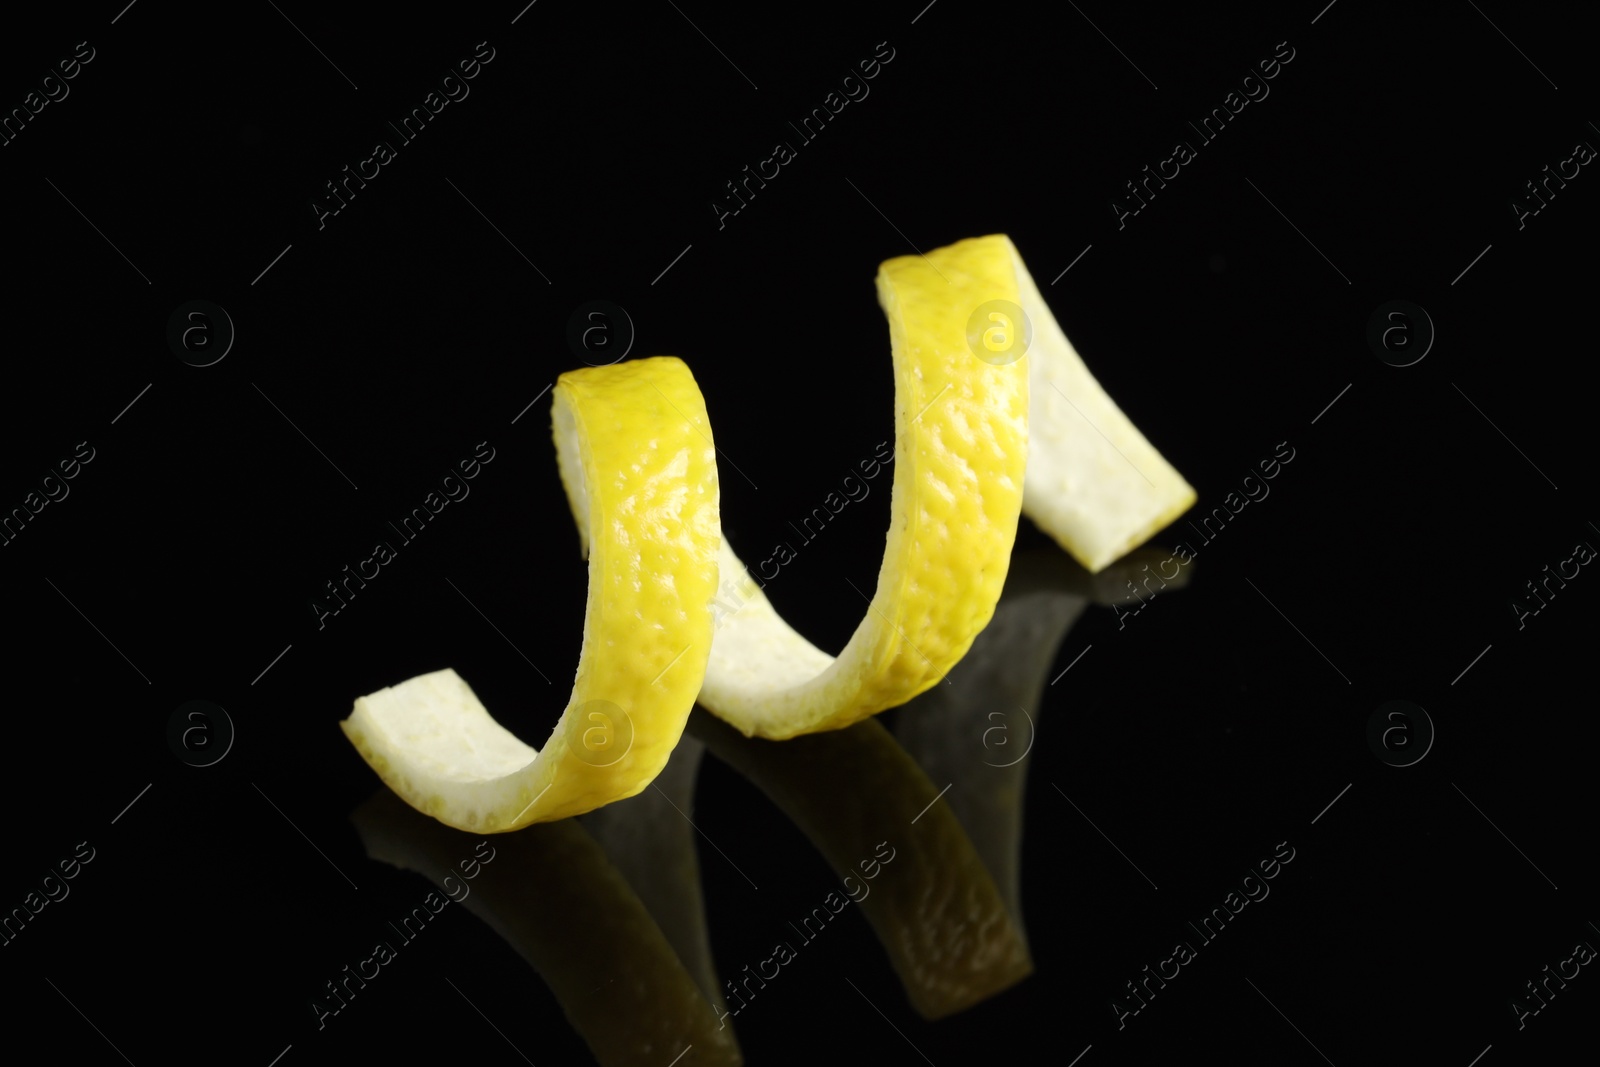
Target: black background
{"points": [[413, 325]]}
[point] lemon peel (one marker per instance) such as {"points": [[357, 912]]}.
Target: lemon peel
{"points": [[983, 431], [982, 436], [637, 460], [1094, 483], [961, 444]]}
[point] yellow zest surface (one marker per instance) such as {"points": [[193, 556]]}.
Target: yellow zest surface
{"points": [[636, 457], [991, 422], [961, 445]]}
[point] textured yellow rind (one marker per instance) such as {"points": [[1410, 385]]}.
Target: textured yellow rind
{"points": [[961, 440], [637, 460], [1093, 482]]}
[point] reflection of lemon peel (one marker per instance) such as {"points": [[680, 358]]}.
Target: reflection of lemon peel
{"points": [[980, 729], [652, 840], [636, 458], [584, 930], [960, 449], [1093, 482], [940, 915]]}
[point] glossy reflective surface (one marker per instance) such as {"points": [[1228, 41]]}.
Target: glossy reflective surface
{"points": [[287, 291]]}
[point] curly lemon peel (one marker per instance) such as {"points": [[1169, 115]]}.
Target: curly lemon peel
{"points": [[961, 445], [977, 441], [636, 458], [965, 470]]}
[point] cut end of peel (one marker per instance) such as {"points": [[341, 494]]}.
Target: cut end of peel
{"points": [[639, 468], [1094, 483], [433, 742]]}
